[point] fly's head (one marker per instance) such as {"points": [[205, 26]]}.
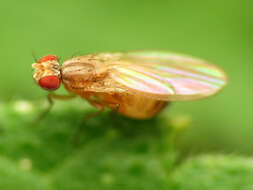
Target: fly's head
{"points": [[47, 72]]}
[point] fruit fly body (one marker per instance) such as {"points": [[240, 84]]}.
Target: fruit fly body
{"points": [[134, 84]]}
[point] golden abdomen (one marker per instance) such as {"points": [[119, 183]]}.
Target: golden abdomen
{"points": [[140, 107], [137, 107]]}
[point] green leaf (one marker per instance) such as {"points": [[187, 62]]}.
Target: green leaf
{"points": [[214, 172], [109, 152], [14, 176], [112, 151]]}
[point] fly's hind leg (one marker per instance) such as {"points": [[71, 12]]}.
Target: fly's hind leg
{"points": [[114, 110], [113, 114], [76, 137], [50, 98]]}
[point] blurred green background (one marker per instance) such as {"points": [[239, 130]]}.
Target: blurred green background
{"points": [[219, 31]]}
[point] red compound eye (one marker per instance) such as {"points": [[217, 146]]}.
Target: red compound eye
{"points": [[50, 82], [48, 58]]}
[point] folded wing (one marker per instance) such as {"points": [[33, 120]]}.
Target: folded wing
{"points": [[167, 76]]}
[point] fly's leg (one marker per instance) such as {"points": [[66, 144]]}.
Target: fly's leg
{"points": [[76, 137], [115, 108], [113, 114], [50, 98], [47, 110]]}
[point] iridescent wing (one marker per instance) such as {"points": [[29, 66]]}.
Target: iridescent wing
{"points": [[166, 76]]}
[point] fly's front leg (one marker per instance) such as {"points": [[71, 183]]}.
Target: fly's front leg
{"points": [[50, 98]]}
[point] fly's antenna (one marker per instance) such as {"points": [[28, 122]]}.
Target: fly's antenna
{"points": [[60, 59], [34, 56]]}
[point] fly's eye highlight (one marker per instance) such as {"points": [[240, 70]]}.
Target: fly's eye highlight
{"points": [[47, 72]]}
